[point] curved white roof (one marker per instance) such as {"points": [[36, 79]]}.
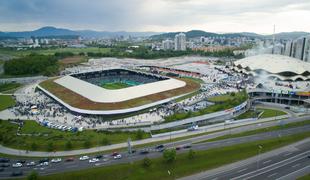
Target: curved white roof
{"points": [[274, 64]]}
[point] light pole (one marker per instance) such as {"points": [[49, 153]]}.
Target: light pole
{"points": [[258, 156]]}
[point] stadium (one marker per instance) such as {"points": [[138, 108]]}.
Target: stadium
{"points": [[115, 91], [276, 79]]}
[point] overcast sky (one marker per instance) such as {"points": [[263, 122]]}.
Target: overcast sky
{"points": [[157, 15]]}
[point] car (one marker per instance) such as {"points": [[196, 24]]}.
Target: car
{"points": [[159, 146], [144, 151], [83, 158], [187, 146], [17, 173], [5, 165], [16, 165], [118, 156], [4, 160], [43, 164], [1, 169], [44, 160], [69, 159], [21, 161], [115, 153], [309, 156], [93, 160], [178, 148], [32, 163], [99, 156], [56, 160]]}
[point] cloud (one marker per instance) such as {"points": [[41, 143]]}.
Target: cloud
{"points": [[156, 15]]}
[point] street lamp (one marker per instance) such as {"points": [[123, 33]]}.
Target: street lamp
{"points": [[258, 156]]}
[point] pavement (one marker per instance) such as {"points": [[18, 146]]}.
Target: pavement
{"points": [[223, 128], [286, 163], [76, 165]]}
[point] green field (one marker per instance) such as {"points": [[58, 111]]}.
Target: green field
{"points": [[182, 166], [15, 53], [271, 113], [115, 85], [306, 177], [6, 102], [266, 113], [45, 139], [9, 87], [233, 101]]}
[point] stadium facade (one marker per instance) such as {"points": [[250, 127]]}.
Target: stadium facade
{"points": [[276, 79]]}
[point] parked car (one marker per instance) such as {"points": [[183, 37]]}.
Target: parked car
{"points": [[4, 160], [144, 151], [118, 156], [187, 146], [115, 153], [159, 146], [56, 160], [93, 160], [69, 159], [178, 148], [21, 161], [83, 158], [32, 163], [99, 156], [16, 165], [44, 160]]}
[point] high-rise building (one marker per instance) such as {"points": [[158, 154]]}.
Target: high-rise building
{"points": [[167, 44], [306, 55], [288, 48], [180, 42], [298, 48]]}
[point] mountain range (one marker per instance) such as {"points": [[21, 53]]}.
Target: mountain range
{"points": [[56, 32]]}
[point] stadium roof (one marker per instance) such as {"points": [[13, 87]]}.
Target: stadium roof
{"points": [[274, 64], [278, 66], [101, 95]]}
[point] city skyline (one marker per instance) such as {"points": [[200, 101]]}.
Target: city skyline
{"points": [[160, 16]]}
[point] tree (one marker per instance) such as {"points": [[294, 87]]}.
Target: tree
{"points": [[68, 145], [191, 154], [169, 155], [147, 162], [33, 175], [139, 134]]}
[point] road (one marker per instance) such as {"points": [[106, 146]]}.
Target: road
{"points": [[285, 163], [78, 165]]}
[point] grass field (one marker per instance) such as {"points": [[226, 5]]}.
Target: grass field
{"points": [[306, 177], [79, 101], [45, 139], [237, 99], [183, 166], [4, 88], [261, 130], [115, 85], [15, 53], [266, 113], [271, 113], [223, 98], [6, 102]]}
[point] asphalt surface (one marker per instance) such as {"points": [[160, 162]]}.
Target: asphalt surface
{"points": [[126, 158], [285, 165]]}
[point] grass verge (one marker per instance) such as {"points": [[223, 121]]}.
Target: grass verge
{"points": [[6, 102]]}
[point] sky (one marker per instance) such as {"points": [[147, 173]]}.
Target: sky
{"points": [[157, 15]]}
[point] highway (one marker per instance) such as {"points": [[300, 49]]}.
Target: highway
{"points": [[283, 164], [108, 159]]}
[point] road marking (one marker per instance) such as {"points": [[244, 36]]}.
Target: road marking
{"points": [[294, 172], [296, 165], [274, 174], [287, 154], [242, 170], [265, 162]]}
